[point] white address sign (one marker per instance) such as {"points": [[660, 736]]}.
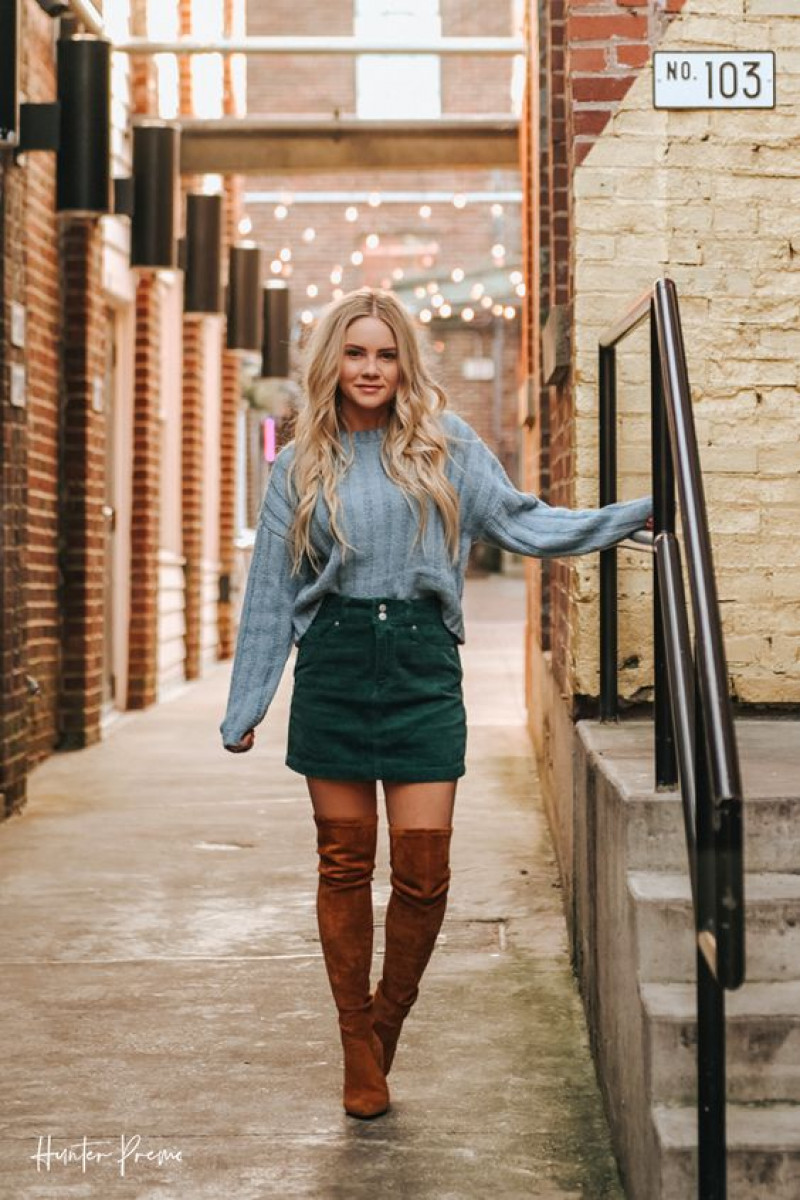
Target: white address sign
{"points": [[713, 79]]}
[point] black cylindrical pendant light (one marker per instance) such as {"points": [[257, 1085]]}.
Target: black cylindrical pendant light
{"points": [[244, 300], [275, 349], [203, 288], [9, 72], [156, 151], [84, 157]]}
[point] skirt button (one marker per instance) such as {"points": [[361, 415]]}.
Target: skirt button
{"points": [[381, 616]]}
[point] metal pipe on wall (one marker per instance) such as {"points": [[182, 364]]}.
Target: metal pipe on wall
{"points": [[85, 12], [316, 45]]}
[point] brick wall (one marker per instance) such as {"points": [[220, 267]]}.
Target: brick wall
{"points": [[708, 197]]}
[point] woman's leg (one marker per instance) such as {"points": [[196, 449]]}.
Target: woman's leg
{"points": [[346, 819], [420, 827]]}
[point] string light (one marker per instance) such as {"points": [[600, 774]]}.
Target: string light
{"points": [[398, 273], [281, 212], [459, 201], [351, 213], [374, 200], [425, 211], [337, 293], [432, 287], [419, 292], [309, 235], [356, 258], [498, 250], [467, 314], [336, 274], [438, 300], [497, 210], [245, 225], [497, 310], [276, 266], [373, 241], [425, 315], [509, 313], [445, 310], [477, 291], [427, 260], [515, 277], [312, 290], [307, 316], [486, 301], [288, 270], [457, 275], [520, 289], [285, 254]]}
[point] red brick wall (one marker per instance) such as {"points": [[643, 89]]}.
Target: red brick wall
{"points": [[146, 496], [298, 83], [194, 371], [83, 326], [589, 54]]}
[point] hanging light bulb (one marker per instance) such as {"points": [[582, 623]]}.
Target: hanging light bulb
{"points": [[336, 274], [486, 301], [307, 316], [497, 210], [509, 313], [476, 291], [276, 266], [312, 290], [356, 258], [309, 235], [374, 200], [445, 310], [425, 211], [288, 270], [432, 287], [398, 273], [425, 315], [459, 200], [457, 275], [497, 310], [285, 254], [498, 250], [437, 301], [515, 277], [351, 213], [419, 292], [281, 212], [373, 241], [245, 226], [520, 289], [467, 314]]}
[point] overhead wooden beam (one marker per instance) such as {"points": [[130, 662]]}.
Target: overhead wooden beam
{"points": [[261, 146]]}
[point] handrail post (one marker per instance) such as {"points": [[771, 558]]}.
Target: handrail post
{"points": [[664, 522], [608, 558]]}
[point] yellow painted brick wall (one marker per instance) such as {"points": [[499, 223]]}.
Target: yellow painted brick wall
{"points": [[713, 200]]}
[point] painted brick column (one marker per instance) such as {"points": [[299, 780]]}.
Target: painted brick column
{"points": [[194, 373], [82, 482], [146, 505]]}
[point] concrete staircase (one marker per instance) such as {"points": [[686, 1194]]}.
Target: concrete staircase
{"points": [[654, 910]]}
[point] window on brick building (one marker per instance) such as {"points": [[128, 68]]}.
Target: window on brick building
{"points": [[402, 85]]}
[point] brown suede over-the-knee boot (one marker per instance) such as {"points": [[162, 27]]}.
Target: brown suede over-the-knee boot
{"points": [[420, 877], [344, 914]]}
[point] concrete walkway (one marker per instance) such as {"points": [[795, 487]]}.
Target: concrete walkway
{"points": [[162, 980]]}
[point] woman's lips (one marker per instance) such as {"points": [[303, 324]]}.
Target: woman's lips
{"points": [[369, 387]]}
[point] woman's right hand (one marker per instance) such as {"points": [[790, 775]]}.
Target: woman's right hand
{"points": [[245, 744]]}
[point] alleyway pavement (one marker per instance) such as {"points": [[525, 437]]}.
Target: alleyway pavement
{"points": [[163, 994]]}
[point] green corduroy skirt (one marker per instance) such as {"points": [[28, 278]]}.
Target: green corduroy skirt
{"points": [[378, 693]]}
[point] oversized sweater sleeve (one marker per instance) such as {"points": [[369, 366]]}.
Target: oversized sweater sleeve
{"points": [[265, 629], [521, 522]]}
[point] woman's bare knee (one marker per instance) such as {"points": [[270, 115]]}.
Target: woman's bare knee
{"points": [[420, 805], [343, 800]]}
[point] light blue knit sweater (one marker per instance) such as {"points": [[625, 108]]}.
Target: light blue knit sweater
{"points": [[378, 519]]}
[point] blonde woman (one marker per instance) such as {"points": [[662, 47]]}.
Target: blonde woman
{"points": [[359, 561]]}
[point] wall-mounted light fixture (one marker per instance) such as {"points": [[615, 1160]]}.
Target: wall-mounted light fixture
{"points": [[84, 156], [275, 348], [244, 297], [9, 73], [203, 251], [156, 152]]}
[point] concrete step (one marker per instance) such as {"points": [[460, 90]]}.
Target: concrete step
{"points": [[763, 1042], [763, 1152], [665, 927], [656, 840]]}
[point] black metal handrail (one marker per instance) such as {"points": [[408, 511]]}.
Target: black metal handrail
{"points": [[695, 741]]}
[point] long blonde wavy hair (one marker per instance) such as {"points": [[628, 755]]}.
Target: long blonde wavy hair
{"points": [[414, 449]]}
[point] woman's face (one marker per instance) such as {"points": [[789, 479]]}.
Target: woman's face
{"points": [[368, 373]]}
